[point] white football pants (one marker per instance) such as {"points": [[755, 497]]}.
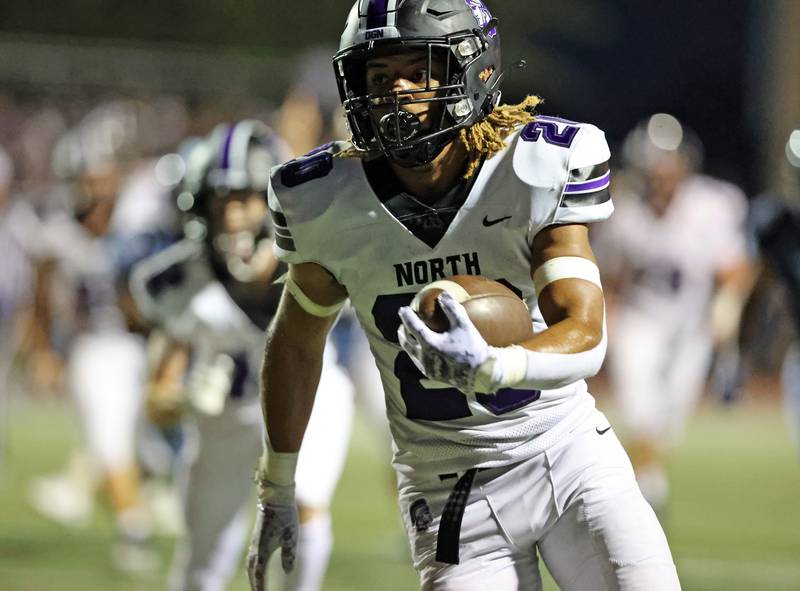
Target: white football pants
{"points": [[576, 505], [657, 375], [106, 372]]}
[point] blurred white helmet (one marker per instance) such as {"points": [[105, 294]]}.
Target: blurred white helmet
{"points": [[116, 133], [659, 135]]}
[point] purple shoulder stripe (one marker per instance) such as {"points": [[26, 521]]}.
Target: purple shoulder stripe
{"points": [[590, 185]]}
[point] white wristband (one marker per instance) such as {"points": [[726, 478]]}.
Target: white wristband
{"points": [[277, 467]]}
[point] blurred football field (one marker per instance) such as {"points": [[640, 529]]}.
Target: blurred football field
{"points": [[733, 524]]}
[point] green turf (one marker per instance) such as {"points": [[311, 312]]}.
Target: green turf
{"points": [[733, 524]]}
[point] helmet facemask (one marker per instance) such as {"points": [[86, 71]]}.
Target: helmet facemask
{"points": [[238, 234]]}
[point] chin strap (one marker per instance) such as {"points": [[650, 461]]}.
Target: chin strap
{"points": [[403, 127], [421, 154]]}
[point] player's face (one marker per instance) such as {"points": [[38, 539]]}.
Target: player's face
{"points": [[408, 75], [99, 189], [242, 211], [237, 221], [664, 176], [101, 183]]}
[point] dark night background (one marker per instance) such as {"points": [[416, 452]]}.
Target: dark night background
{"points": [[612, 62]]}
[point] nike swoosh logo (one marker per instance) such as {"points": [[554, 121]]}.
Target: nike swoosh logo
{"points": [[604, 431], [487, 222]]}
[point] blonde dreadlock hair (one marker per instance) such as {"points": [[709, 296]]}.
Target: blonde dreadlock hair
{"points": [[482, 140], [488, 137]]}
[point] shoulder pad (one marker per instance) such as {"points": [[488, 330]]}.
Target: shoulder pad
{"points": [[550, 147], [164, 284], [590, 147], [295, 198], [318, 163], [571, 159], [722, 190]]}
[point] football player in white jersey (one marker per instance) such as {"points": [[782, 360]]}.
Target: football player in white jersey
{"points": [[212, 295], [676, 255], [117, 215], [500, 453]]}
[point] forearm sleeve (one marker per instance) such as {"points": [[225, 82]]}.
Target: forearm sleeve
{"points": [[518, 367]]}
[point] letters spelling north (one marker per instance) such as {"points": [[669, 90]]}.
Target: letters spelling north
{"points": [[423, 272]]}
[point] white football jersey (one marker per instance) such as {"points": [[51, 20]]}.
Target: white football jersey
{"points": [[670, 261], [325, 211], [83, 293], [88, 266]]}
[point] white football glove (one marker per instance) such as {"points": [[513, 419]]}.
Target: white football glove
{"points": [[457, 356], [210, 385], [276, 525]]}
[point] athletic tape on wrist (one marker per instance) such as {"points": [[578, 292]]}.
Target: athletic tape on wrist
{"points": [[565, 268], [277, 467], [307, 304]]}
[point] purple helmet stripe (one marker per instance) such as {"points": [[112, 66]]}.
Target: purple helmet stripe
{"points": [[376, 13], [592, 185], [226, 149]]}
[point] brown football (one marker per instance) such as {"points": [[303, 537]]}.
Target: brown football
{"points": [[500, 316]]}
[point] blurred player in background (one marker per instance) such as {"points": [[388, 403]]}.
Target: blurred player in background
{"points": [[16, 221], [213, 295], [442, 180], [774, 223], [311, 113], [15, 270], [116, 213], [675, 259]]}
